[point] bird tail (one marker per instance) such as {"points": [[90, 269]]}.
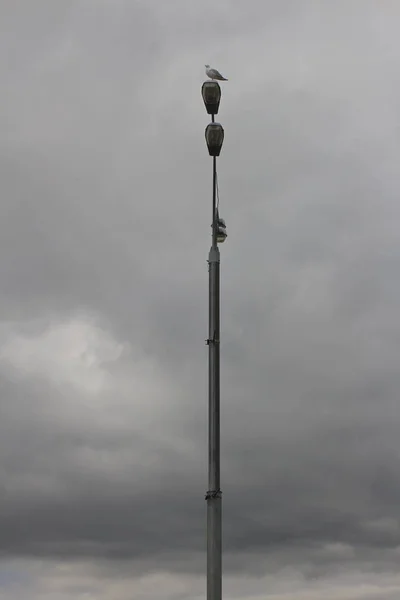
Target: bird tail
{"points": [[224, 79]]}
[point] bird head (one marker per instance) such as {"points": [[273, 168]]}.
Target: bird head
{"points": [[207, 66]]}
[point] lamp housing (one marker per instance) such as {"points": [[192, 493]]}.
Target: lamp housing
{"points": [[211, 93], [221, 231], [214, 138]]}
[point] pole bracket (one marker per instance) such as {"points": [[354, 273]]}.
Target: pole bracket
{"points": [[213, 495], [213, 340]]}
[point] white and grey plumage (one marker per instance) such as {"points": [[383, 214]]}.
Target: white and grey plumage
{"points": [[214, 74]]}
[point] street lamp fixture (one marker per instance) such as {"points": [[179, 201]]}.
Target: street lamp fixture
{"points": [[221, 230], [214, 133], [211, 93], [214, 138]]}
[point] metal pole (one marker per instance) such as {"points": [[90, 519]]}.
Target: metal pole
{"points": [[214, 495]]}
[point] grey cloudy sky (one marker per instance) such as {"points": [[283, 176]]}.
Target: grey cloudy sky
{"points": [[104, 236]]}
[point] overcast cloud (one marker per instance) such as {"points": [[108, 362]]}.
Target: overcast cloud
{"points": [[104, 236]]}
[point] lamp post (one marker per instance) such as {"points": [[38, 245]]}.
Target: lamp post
{"points": [[214, 134]]}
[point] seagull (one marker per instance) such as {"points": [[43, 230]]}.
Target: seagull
{"points": [[214, 74]]}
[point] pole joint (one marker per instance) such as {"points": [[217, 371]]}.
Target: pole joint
{"points": [[213, 495], [214, 255]]}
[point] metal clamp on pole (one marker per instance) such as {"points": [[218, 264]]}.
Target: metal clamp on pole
{"points": [[212, 494]]}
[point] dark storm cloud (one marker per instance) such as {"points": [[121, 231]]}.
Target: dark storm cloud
{"points": [[105, 209]]}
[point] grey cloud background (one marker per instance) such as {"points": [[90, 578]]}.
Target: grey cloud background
{"points": [[104, 237]]}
